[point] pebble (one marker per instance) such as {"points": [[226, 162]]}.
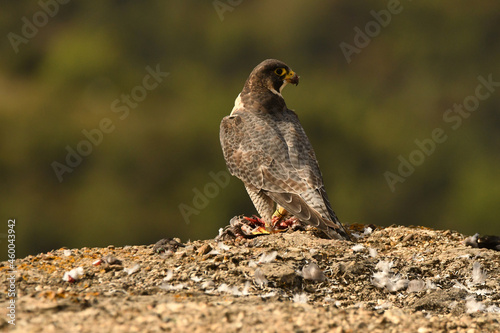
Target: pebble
{"points": [[105, 300]]}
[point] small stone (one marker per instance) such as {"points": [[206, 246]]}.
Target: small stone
{"points": [[204, 249]]}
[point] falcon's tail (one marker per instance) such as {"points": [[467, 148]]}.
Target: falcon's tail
{"points": [[294, 204]]}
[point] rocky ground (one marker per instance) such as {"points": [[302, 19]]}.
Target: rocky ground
{"points": [[394, 279]]}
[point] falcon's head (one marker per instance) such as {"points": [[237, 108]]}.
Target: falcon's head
{"points": [[271, 74]]}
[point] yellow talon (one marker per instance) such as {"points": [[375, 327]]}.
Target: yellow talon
{"points": [[280, 213], [260, 231]]}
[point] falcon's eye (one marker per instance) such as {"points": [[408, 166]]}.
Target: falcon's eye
{"points": [[280, 71]]}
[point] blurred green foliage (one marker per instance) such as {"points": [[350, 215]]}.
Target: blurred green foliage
{"points": [[360, 116]]}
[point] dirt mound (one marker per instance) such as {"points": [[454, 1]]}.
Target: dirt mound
{"points": [[394, 279]]}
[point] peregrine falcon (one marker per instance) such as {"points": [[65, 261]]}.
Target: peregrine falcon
{"points": [[265, 146]]}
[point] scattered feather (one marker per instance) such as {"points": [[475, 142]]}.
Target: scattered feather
{"points": [[246, 288], [300, 298], [385, 279], [477, 292], [384, 266], [478, 274], [335, 302], [207, 284], [223, 288], [234, 290], [458, 285], [482, 292], [384, 306], [430, 285], [472, 240], [133, 269], [473, 306], [172, 287], [252, 264], [313, 272], [196, 278], [373, 252], [398, 284], [73, 275], [260, 278], [223, 246], [264, 258], [67, 253], [269, 294], [359, 305], [268, 257], [493, 309], [111, 260], [414, 286], [379, 279], [170, 274], [367, 231], [357, 248]]}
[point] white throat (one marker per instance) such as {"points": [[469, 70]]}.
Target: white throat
{"points": [[281, 89], [237, 104]]}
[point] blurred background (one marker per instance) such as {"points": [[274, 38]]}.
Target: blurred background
{"points": [[97, 149]]}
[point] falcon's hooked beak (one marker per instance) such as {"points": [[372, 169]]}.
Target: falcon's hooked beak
{"points": [[292, 78]]}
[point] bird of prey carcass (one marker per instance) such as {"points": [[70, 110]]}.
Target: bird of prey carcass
{"points": [[266, 147]]}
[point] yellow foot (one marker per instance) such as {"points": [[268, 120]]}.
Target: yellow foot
{"points": [[257, 226], [279, 213], [260, 231]]}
